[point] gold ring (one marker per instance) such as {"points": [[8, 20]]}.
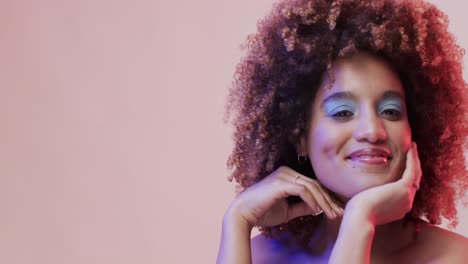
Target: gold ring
{"points": [[321, 211], [295, 179]]}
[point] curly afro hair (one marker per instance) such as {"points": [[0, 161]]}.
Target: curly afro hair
{"points": [[286, 59]]}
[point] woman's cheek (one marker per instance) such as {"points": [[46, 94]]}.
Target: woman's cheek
{"points": [[406, 136], [323, 148]]}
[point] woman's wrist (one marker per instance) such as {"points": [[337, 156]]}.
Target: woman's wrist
{"points": [[356, 229], [357, 224], [357, 212], [235, 238], [233, 218]]}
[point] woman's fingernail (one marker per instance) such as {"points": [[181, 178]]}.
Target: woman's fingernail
{"points": [[337, 210]]}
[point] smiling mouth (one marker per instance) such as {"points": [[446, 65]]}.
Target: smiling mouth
{"points": [[370, 156], [371, 160]]}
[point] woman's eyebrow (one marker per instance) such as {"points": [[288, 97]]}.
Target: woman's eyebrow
{"points": [[393, 95], [338, 96]]}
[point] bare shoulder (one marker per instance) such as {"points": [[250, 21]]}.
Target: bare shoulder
{"points": [[441, 245]]}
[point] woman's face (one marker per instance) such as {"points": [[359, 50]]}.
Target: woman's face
{"points": [[358, 132]]}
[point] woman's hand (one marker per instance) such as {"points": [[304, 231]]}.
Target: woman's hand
{"points": [[389, 202], [373, 207], [265, 204]]}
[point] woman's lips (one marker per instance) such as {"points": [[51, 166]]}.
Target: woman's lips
{"points": [[373, 160], [372, 156]]}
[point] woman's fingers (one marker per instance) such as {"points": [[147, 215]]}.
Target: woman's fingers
{"points": [[302, 191], [268, 206], [409, 176], [313, 196], [418, 165], [336, 207], [300, 209], [326, 202]]}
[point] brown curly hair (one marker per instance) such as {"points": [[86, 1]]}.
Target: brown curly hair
{"points": [[294, 47]]}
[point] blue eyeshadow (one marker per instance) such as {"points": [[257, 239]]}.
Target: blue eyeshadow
{"points": [[335, 105], [392, 103]]}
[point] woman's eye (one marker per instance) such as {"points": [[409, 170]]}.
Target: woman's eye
{"points": [[393, 113], [390, 112], [342, 114]]}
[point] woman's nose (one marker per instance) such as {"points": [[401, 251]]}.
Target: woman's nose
{"points": [[370, 128]]}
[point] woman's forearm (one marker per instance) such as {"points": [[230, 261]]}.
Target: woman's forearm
{"points": [[354, 242], [235, 241]]}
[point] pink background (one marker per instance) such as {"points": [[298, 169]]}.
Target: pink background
{"points": [[113, 148]]}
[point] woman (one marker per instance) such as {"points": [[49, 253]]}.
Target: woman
{"points": [[350, 122]]}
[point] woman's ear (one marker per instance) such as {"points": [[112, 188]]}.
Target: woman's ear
{"points": [[301, 146]]}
